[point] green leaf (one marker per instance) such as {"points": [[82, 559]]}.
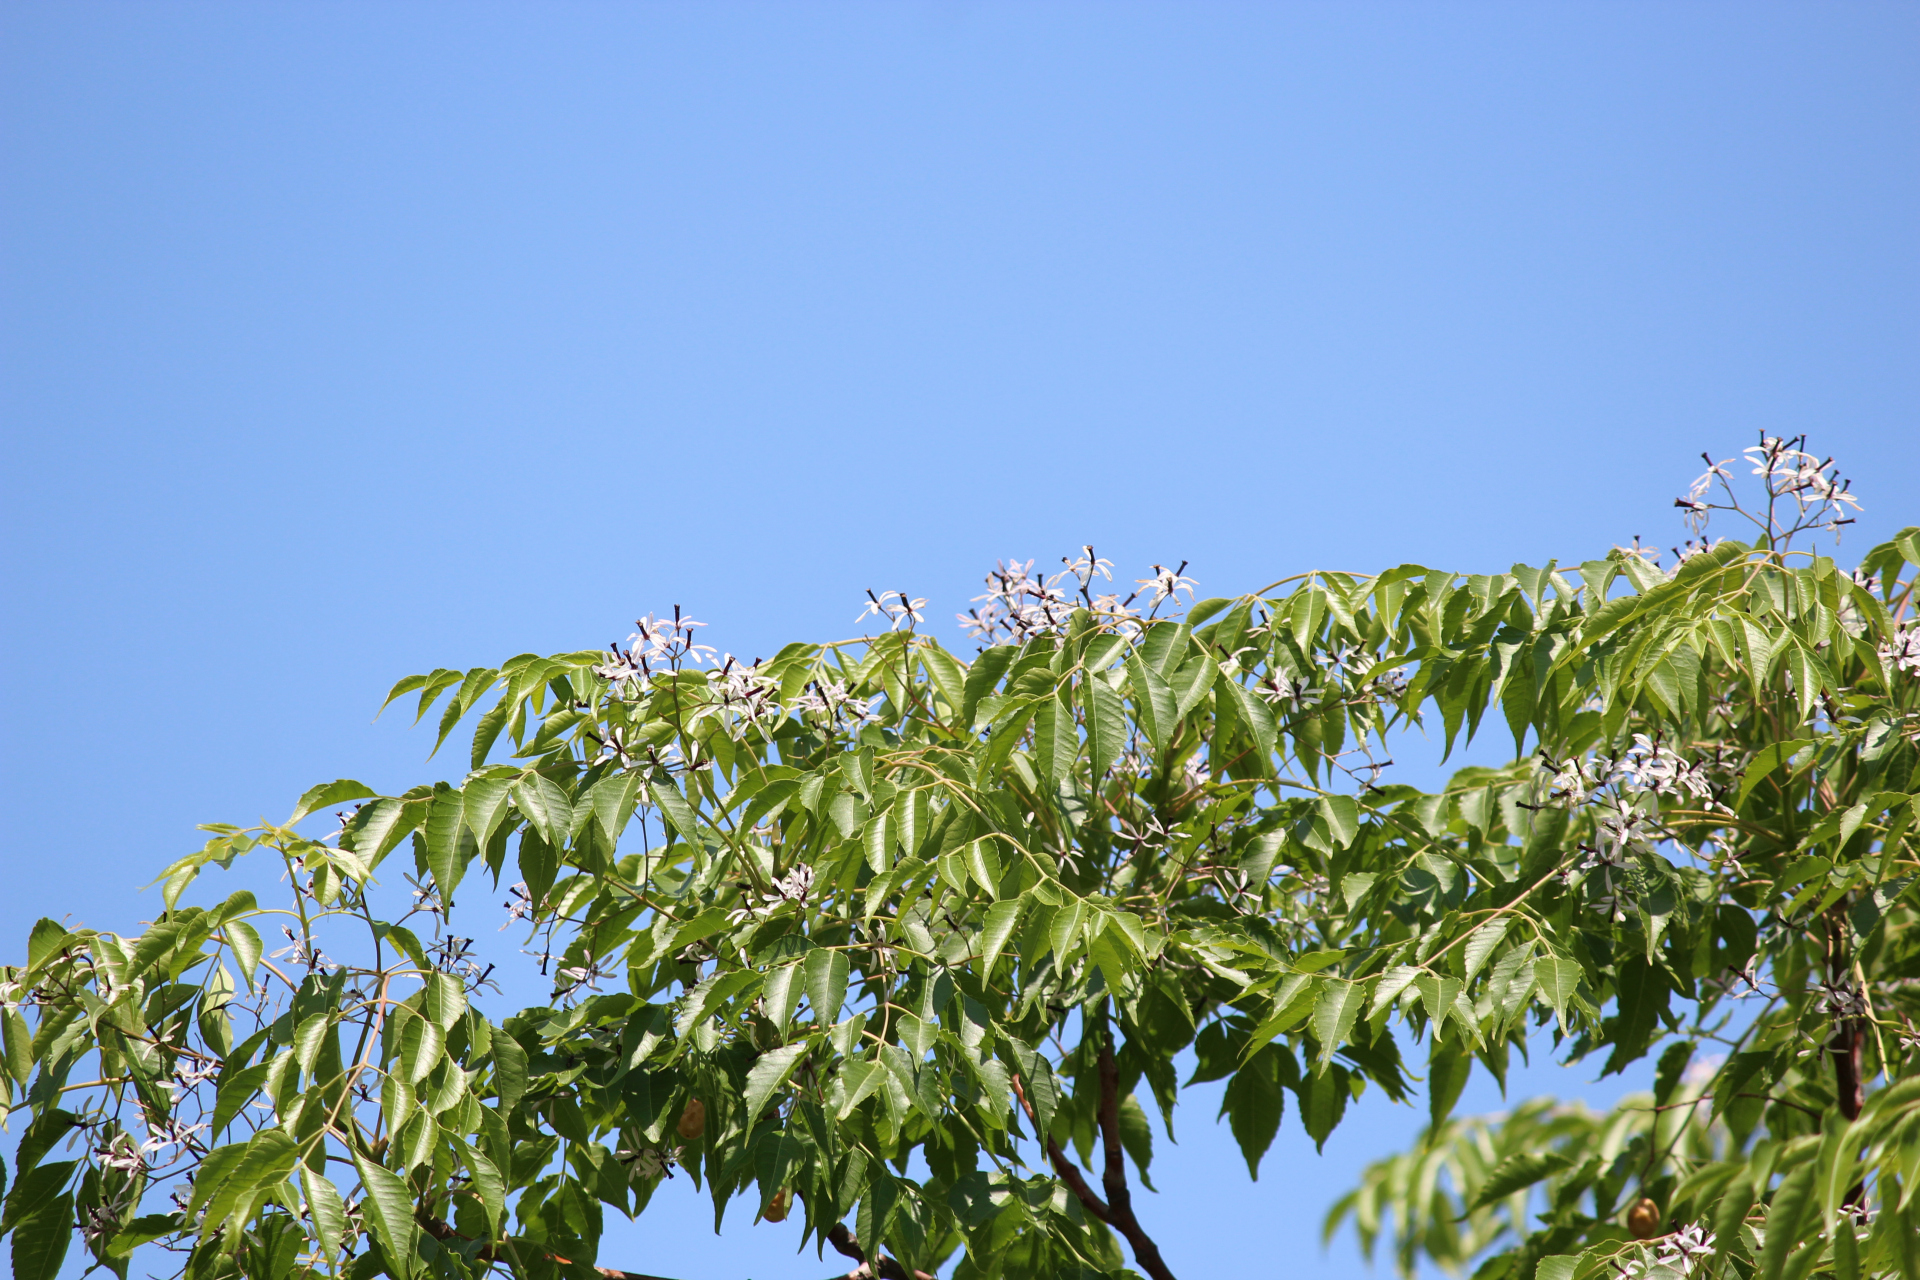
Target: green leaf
{"points": [[1334, 1013], [44, 941], [34, 1191], [768, 1073], [327, 1210], [422, 1044], [1481, 945], [613, 800], [267, 1160], [388, 1210], [1154, 702], [40, 1240], [1106, 723], [982, 675], [1787, 1219], [1518, 1171], [236, 1090], [484, 806], [676, 810], [1002, 919], [1448, 1067], [446, 1000], [1253, 1104], [1342, 817], [376, 828], [1559, 979], [444, 827], [246, 947], [1765, 762], [327, 794], [492, 1188], [1136, 1136], [1056, 740], [826, 973], [547, 808], [509, 1071]]}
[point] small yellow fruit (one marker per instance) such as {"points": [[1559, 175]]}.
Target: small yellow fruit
{"points": [[693, 1121], [1643, 1220], [777, 1211]]}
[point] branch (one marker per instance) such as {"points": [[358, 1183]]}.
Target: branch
{"points": [[1068, 1171], [442, 1232], [842, 1239], [1145, 1251]]}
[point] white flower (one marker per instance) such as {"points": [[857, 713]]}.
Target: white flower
{"points": [[1651, 766], [1841, 999], [1572, 784], [122, 1155], [894, 607], [796, 884], [519, 904], [1903, 650], [1166, 583], [833, 700]]}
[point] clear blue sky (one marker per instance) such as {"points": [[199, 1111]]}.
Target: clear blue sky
{"points": [[346, 340]]}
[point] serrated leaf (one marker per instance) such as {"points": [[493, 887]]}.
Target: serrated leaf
{"points": [[1481, 945], [245, 944], [1002, 919], [613, 799], [1056, 740], [491, 1187], [327, 794], [1136, 1137], [40, 1240], [546, 807], [826, 973], [1153, 701], [446, 1000], [1334, 1013], [768, 1073], [388, 1210], [1519, 1171], [326, 1208], [509, 1071], [1106, 724], [1342, 817]]}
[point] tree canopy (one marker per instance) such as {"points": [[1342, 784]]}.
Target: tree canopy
{"points": [[908, 943]]}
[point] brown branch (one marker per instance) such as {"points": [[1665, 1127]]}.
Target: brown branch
{"points": [[1068, 1171], [842, 1239], [442, 1232], [1145, 1251]]}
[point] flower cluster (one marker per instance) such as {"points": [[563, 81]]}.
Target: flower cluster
{"points": [[896, 608], [833, 702], [1019, 604], [1680, 1252], [792, 887], [746, 691], [1902, 652], [654, 642], [1821, 499], [1648, 766]]}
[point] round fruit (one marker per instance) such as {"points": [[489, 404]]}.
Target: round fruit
{"points": [[1643, 1220], [693, 1121]]}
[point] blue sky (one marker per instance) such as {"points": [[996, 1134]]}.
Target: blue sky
{"points": [[343, 341]]}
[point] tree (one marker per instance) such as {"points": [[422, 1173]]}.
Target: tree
{"points": [[865, 901]]}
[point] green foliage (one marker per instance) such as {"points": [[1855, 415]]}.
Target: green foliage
{"points": [[866, 900]]}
